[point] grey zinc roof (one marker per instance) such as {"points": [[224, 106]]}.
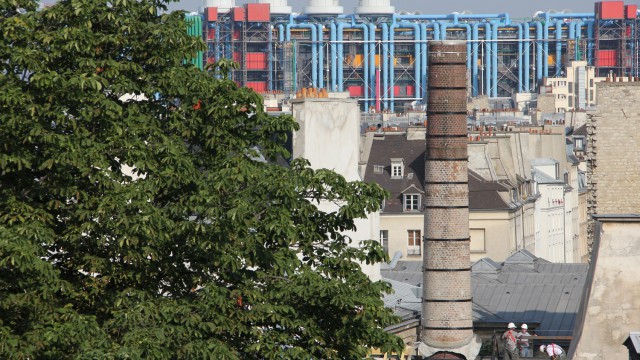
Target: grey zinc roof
{"points": [[526, 289], [543, 178]]}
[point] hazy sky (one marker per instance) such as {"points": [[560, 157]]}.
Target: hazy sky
{"points": [[515, 8]]}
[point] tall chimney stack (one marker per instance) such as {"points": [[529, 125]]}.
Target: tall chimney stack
{"points": [[447, 324]]}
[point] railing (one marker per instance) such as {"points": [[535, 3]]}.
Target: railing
{"points": [[497, 344]]}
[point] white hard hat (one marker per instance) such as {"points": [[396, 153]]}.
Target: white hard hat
{"points": [[542, 347], [524, 326], [511, 326]]}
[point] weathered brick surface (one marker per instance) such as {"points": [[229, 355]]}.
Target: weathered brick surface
{"points": [[613, 160], [447, 124], [446, 202]]}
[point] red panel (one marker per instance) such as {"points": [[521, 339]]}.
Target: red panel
{"points": [[256, 61], [211, 34], [258, 12], [631, 11], [411, 90], [396, 90], [355, 90], [257, 86], [606, 58], [212, 14], [610, 10], [239, 14], [236, 34], [237, 57]]}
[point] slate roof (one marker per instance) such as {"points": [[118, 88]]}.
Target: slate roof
{"points": [[580, 130], [396, 146], [523, 289], [483, 195]]}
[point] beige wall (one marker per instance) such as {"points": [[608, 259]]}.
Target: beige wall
{"points": [[397, 226], [499, 234], [610, 306]]}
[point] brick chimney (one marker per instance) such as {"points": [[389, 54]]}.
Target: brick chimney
{"points": [[446, 324]]}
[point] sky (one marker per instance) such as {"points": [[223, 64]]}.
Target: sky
{"points": [[515, 8]]}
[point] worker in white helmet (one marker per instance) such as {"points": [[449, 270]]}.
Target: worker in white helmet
{"points": [[510, 343], [523, 341], [554, 351]]}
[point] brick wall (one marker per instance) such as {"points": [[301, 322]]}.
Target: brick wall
{"points": [[613, 161]]}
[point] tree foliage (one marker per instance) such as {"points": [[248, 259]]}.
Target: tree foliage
{"points": [[150, 226]]}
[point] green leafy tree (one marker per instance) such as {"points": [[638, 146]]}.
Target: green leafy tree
{"points": [[149, 225]]}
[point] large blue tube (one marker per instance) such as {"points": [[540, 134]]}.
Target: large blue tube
{"points": [[474, 62], [520, 36], [558, 48], [270, 76], [545, 57], [417, 61], [494, 67], [391, 67], [527, 72], [320, 55], [577, 33], [334, 56], [371, 93], [539, 52], [365, 35], [314, 49], [487, 59], [424, 42], [385, 64], [467, 27], [548, 16]]}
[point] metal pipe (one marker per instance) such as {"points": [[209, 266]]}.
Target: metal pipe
{"points": [[365, 35], [423, 36], [527, 44], [314, 50], [520, 35], [372, 65], [558, 48], [548, 16], [539, 53], [494, 67], [385, 63], [545, 59], [270, 54], [487, 63], [590, 40], [320, 47], [334, 55], [416, 50], [474, 62]]}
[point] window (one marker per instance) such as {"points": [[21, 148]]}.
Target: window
{"points": [[413, 242], [570, 87], [590, 82], [397, 168], [570, 101], [378, 169], [384, 240], [579, 143], [590, 95], [411, 202]]}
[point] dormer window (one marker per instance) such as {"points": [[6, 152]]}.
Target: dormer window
{"points": [[397, 168], [411, 202], [378, 169]]}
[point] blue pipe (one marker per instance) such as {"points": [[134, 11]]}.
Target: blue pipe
{"points": [[417, 61], [548, 16], [558, 47], [494, 68], [527, 68], [391, 67], [539, 52], [371, 92], [281, 39], [520, 36], [385, 64], [545, 59], [474, 63], [487, 60], [577, 35], [320, 55], [334, 55], [314, 50], [365, 34], [467, 27], [423, 36], [504, 17]]}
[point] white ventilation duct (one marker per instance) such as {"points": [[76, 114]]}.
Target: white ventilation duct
{"points": [[277, 7], [375, 7], [323, 7], [223, 6]]}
